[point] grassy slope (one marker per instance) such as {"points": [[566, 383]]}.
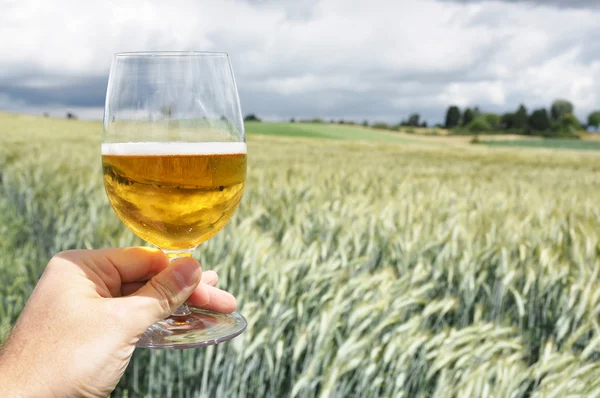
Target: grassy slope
{"points": [[364, 269], [349, 132], [323, 130]]}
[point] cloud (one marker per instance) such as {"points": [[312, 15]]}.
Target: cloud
{"points": [[78, 91], [373, 59], [545, 3]]}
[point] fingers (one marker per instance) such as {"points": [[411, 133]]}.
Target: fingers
{"points": [[136, 263], [219, 300], [110, 268], [162, 294], [131, 288], [210, 278]]}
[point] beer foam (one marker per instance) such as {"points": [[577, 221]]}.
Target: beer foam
{"points": [[173, 148]]}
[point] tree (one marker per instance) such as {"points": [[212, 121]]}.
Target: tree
{"points": [[71, 115], [520, 118], [492, 119], [560, 108], [539, 120], [292, 120], [166, 111], [452, 117], [507, 121], [594, 119], [381, 126], [479, 125], [570, 124], [468, 116], [251, 118], [413, 120], [424, 124], [365, 123]]}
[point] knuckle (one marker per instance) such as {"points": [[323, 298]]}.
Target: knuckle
{"points": [[166, 295], [58, 261], [68, 256]]}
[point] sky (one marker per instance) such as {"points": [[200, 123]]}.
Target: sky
{"points": [[379, 60]]}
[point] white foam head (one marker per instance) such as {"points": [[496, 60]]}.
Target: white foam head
{"points": [[173, 148]]}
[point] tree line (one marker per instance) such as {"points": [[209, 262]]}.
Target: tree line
{"points": [[559, 122]]}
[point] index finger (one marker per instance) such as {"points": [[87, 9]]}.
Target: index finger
{"points": [[135, 263], [117, 266]]}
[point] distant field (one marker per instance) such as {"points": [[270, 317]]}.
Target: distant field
{"points": [[323, 130], [554, 143], [352, 132]]}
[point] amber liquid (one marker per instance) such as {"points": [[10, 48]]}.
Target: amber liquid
{"points": [[175, 202]]}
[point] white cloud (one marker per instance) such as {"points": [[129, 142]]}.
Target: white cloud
{"points": [[361, 58], [465, 94]]}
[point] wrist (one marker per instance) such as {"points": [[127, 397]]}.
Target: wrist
{"points": [[9, 378], [19, 379]]}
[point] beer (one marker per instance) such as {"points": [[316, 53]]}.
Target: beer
{"points": [[174, 195]]}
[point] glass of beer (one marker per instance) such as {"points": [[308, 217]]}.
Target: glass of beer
{"points": [[174, 164]]}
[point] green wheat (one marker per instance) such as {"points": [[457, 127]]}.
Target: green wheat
{"points": [[364, 269]]}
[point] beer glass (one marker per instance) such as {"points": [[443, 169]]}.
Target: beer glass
{"points": [[174, 164]]}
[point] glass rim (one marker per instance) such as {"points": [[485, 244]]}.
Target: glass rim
{"points": [[149, 54]]}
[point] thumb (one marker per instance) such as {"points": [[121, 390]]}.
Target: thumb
{"points": [[166, 291]]}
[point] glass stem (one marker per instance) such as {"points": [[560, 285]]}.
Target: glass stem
{"points": [[183, 310]]}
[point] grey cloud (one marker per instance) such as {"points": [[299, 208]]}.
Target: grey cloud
{"points": [[335, 104], [551, 3], [83, 91]]}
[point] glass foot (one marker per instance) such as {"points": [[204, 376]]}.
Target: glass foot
{"points": [[200, 328]]}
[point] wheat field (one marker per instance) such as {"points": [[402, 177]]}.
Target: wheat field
{"points": [[364, 269]]}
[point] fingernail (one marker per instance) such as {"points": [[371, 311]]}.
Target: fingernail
{"points": [[186, 271]]}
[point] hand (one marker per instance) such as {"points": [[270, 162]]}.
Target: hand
{"points": [[78, 330]]}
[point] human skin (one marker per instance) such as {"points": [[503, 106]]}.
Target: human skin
{"points": [[79, 328]]}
